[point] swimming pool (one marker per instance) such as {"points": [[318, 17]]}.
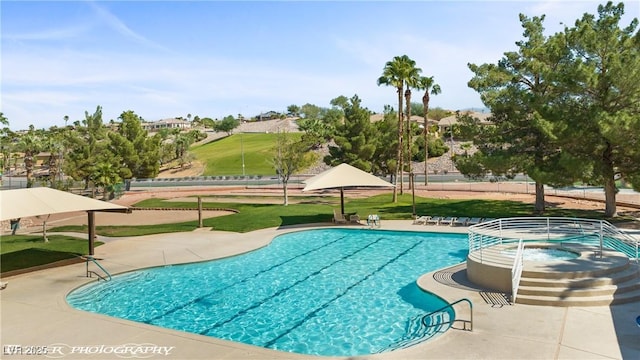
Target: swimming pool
{"points": [[335, 292]]}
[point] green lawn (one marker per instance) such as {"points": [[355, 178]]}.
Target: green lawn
{"points": [[320, 209], [25, 251], [224, 156]]}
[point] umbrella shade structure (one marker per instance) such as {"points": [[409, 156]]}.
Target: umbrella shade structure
{"points": [[29, 202], [341, 177]]}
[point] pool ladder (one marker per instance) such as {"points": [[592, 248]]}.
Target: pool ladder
{"points": [[419, 327], [89, 258], [450, 305]]}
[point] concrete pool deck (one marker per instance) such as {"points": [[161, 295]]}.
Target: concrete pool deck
{"points": [[34, 312]]}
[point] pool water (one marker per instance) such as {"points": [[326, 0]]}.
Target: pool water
{"points": [[335, 292], [543, 254]]}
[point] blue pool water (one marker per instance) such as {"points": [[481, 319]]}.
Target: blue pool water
{"points": [[338, 292]]}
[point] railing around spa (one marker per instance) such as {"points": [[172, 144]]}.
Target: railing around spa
{"points": [[598, 233], [516, 271]]}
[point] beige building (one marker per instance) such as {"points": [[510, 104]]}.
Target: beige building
{"points": [[166, 124]]}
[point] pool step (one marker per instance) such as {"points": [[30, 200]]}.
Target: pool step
{"points": [[617, 287]]}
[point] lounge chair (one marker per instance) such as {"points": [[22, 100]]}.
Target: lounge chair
{"points": [[355, 219], [338, 217], [461, 221], [474, 221], [434, 220], [421, 220], [484, 220], [448, 220], [373, 220]]}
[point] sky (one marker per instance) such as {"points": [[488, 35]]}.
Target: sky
{"points": [[164, 59]]}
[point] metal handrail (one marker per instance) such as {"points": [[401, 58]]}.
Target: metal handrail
{"points": [[89, 258], [450, 305], [516, 271], [578, 230]]}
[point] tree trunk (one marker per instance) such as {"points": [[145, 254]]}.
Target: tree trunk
{"points": [[286, 195], [28, 164], [425, 106], [400, 148], [539, 205], [610, 189], [407, 95]]}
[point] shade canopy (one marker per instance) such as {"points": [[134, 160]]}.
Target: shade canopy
{"points": [[341, 177], [29, 202], [38, 201]]}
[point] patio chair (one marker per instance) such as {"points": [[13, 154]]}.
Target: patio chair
{"points": [[434, 220], [448, 220], [474, 221], [462, 221], [354, 219], [373, 220], [421, 220], [338, 217]]}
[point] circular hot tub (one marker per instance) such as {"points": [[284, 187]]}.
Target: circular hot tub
{"points": [[491, 267], [542, 254]]}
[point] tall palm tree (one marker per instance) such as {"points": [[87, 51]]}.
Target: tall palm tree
{"points": [[411, 82], [426, 83], [30, 143], [395, 73]]}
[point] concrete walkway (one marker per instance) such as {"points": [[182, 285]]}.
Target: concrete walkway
{"points": [[35, 314]]}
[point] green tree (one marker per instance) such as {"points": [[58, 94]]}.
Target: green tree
{"points": [[517, 90], [106, 173], [384, 159], [412, 81], [293, 110], [355, 140], [54, 144], [600, 109], [7, 144], [310, 111], [85, 145], [140, 153], [289, 157], [227, 124], [30, 143], [395, 73], [427, 84]]}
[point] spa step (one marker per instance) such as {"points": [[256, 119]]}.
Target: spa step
{"points": [[620, 287], [575, 283], [603, 300], [576, 270]]}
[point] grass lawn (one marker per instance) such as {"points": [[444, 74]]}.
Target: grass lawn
{"points": [[224, 156], [25, 251], [320, 209]]}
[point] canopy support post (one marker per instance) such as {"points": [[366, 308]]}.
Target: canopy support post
{"points": [[91, 222], [342, 199]]}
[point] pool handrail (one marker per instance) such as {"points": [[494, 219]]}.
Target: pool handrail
{"points": [[89, 258], [450, 305], [516, 271], [506, 230]]}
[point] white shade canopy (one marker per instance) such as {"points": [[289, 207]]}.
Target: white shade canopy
{"points": [[38, 201], [344, 176], [29, 202]]}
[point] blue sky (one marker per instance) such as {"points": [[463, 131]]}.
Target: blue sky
{"points": [[212, 58]]}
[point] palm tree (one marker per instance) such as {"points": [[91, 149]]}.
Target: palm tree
{"points": [[395, 73], [411, 82], [426, 83], [30, 143]]}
